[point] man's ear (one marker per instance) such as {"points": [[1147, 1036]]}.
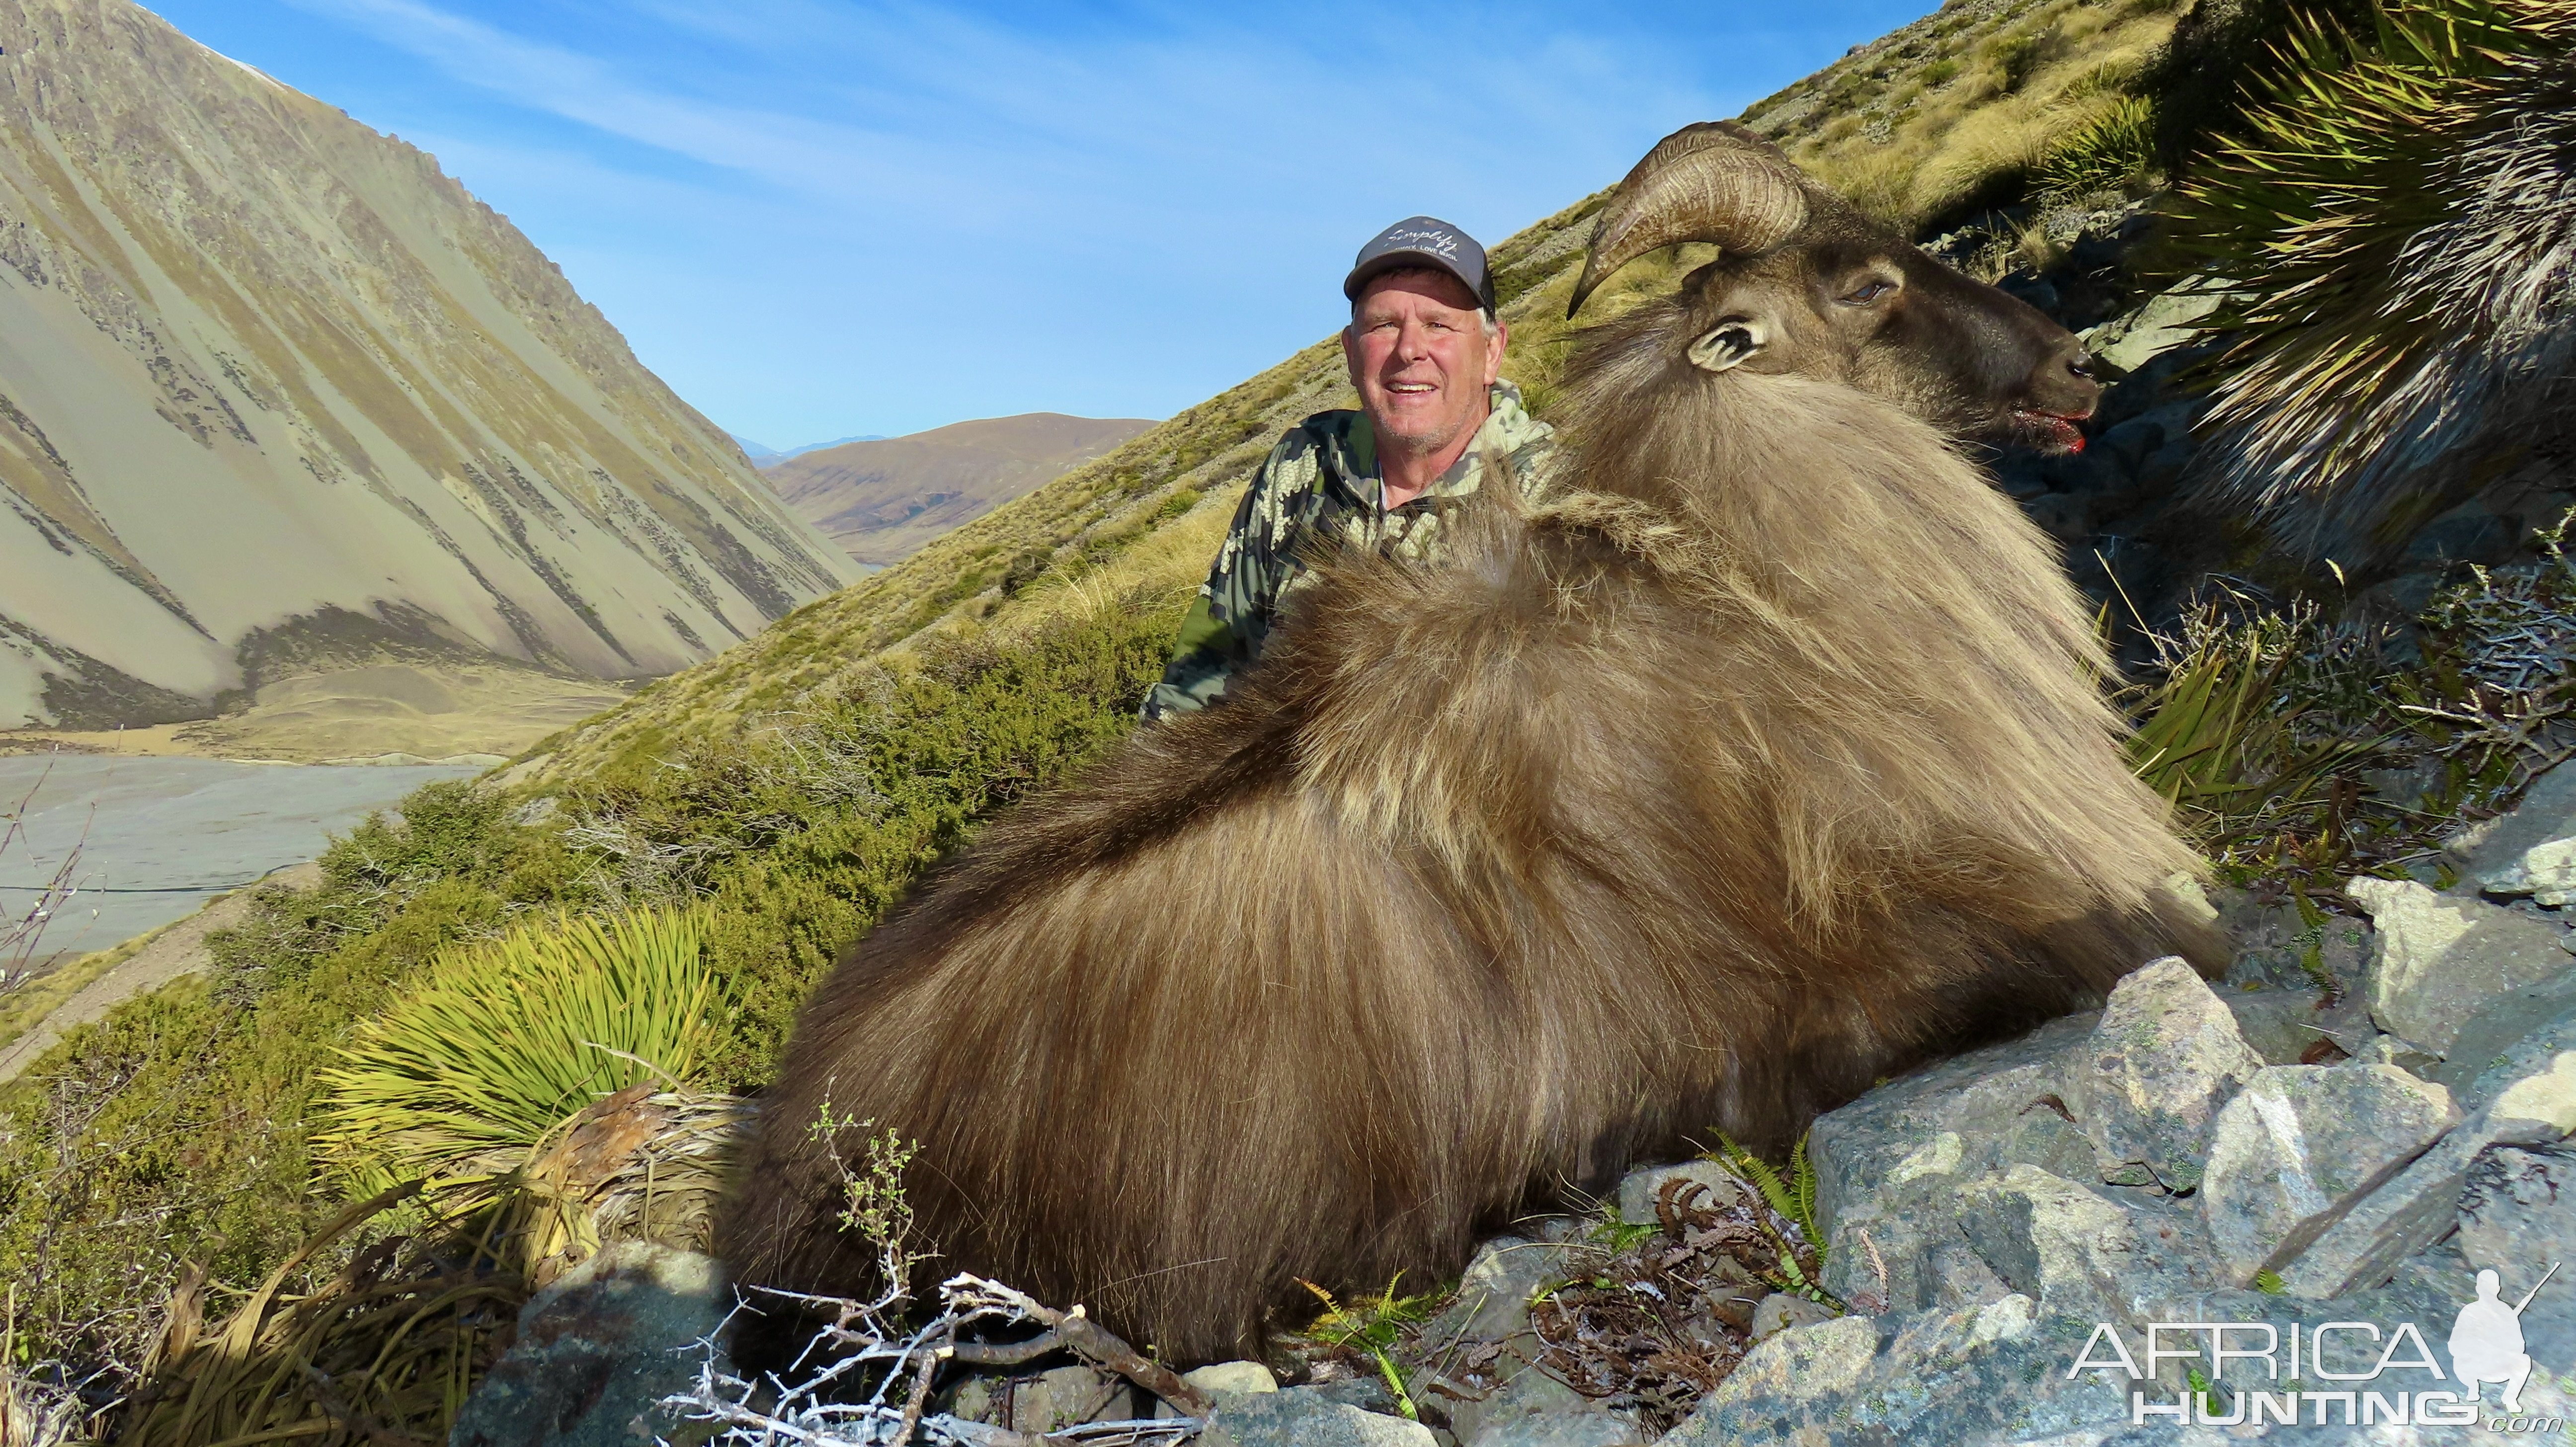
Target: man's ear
{"points": [[1494, 351], [1351, 357]]}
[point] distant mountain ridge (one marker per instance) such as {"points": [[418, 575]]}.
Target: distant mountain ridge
{"points": [[881, 499], [764, 455], [273, 387]]}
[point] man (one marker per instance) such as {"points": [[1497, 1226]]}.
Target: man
{"points": [[1425, 352]]}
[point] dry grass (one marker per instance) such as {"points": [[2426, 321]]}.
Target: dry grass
{"points": [[1961, 107]]}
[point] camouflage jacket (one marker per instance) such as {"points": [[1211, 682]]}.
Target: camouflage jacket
{"points": [[1320, 488]]}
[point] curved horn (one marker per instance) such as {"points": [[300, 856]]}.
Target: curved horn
{"points": [[1712, 181]]}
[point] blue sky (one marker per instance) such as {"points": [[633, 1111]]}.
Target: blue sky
{"points": [[816, 218]]}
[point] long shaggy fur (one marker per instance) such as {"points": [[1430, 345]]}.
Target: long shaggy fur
{"points": [[1764, 762]]}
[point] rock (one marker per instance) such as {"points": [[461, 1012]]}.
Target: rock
{"points": [[2436, 960], [1590, 1427], [2467, 534], [2518, 1207], [1781, 1312], [1232, 1377], [1534, 1409], [2160, 324], [2164, 1056], [1301, 1417], [1988, 1373], [2546, 872], [2547, 811], [2532, 1021], [2064, 516], [2280, 1024], [1062, 1397], [2301, 1140], [1808, 1362], [2399, 1051], [1637, 1193], [2054, 1240], [2416, 1206], [597, 1351], [1888, 1165], [1494, 1295]]}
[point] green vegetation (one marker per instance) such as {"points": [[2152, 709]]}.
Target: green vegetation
{"points": [[1791, 1195], [499, 1041], [2299, 752], [2113, 151], [180, 1128], [1374, 1326]]}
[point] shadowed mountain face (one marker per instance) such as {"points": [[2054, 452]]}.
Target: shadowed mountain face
{"points": [[881, 500], [272, 387]]}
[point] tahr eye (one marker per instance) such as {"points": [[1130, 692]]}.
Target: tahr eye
{"points": [[1869, 291]]}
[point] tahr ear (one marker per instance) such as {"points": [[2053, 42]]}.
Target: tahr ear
{"points": [[1727, 345]]}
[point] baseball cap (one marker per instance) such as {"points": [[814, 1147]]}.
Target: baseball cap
{"points": [[1423, 241]]}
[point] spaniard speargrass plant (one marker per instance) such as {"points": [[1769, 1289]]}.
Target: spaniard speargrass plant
{"points": [[503, 1039], [2396, 226]]}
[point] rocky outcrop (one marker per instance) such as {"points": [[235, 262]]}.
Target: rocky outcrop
{"points": [[272, 386]]}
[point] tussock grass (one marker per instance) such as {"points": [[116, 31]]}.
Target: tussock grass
{"points": [[1994, 101], [2113, 151]]}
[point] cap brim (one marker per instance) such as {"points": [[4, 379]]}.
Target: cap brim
{"points": [[1379, 265]]}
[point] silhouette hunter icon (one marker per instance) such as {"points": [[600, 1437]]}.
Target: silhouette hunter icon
{"points": [[2486, 1341]]}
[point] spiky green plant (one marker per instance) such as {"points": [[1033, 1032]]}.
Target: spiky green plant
{"points": [[2396, 228], [505, 1038]]}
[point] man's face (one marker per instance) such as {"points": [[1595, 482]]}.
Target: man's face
{"points": [[1419, 355]]}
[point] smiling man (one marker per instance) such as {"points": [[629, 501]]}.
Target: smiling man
{"points": [[1436, 422]]}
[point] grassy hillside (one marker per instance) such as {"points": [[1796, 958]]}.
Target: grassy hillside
{"points": [[799, 782]]}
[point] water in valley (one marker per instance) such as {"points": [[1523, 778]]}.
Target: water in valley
{"points": [[156, 837]]}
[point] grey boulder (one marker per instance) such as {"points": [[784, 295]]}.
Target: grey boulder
{"points": [[598, 1350], [2299, 1141], [1304, 1417], [1534, 1409], [2147, 1088], [1640, 1191], [2518, 1208], [1494, 1296], [2436, 960], [2416, 1207]]}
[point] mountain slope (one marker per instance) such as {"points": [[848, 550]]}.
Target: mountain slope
{"points": [[881, 500], [271, 383]]}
